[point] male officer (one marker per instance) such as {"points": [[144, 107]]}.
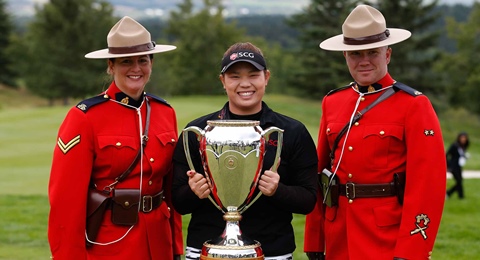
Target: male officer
{"points": [[388, 162]]}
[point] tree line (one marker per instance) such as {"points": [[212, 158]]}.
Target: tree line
{"points": [[440, 59]]}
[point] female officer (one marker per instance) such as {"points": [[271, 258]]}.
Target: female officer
{"points": [[123, 131]]}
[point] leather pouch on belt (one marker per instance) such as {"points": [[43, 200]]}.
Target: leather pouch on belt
{"points": [[329, 187], [97, 203], [125, 206]]}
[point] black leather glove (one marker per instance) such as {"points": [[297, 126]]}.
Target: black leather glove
{"points": [[177, 257], [315, 255]]}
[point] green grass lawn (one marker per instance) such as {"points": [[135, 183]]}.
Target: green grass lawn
{"points": [[27, 139]]}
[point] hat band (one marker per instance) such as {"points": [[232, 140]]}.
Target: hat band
{"points": [[132, 49], [366, 40]]}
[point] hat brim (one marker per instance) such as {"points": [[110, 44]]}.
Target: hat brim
{"points": [[104, 54], [254, 63], [335, 43]]}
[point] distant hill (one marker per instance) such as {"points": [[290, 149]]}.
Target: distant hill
{"points": [[249, 14], [161, 8]]}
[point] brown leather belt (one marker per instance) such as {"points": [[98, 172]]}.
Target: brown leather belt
{"points": [[352, 190], [149, 203]]}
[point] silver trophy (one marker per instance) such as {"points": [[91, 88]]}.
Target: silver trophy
{"points": [[232, 153]]}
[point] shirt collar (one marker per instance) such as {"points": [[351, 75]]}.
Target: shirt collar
{"points": [[266, 117], [384, 82], [113, 92]]}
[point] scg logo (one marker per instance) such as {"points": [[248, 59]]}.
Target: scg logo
{"points": [[246, 54]]}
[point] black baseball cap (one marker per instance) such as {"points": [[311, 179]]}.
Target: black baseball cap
{"points": [[254, 58]]}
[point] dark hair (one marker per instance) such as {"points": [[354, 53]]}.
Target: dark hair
{"points": [[467, 143], [242, 46]]}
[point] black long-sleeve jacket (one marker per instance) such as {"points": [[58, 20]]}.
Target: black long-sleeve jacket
{"points": [[268, 220]]}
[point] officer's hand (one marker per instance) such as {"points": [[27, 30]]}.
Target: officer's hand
{"points": [[315, 255], [198, 184], [268, 183]]}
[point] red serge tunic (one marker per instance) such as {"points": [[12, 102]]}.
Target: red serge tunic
{"points": [[99, 139], [400, 134]]}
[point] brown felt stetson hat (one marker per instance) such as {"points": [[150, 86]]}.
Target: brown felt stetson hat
{"points": [[128, 38], [365, 28]]}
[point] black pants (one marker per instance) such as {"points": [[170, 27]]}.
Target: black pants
{"points": [[458, 187]]}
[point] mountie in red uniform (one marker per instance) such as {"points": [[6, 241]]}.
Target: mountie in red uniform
{"points": [[97, 142], [398, 135]]}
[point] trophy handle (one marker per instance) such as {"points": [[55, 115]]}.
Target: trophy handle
{"points": [[200, 133], [266, 134]]}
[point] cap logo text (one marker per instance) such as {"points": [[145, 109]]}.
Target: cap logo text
{"points": [[234, 56]]}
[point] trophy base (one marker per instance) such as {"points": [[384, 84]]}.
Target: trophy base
{"points": [[216, 252], [232, 244]]}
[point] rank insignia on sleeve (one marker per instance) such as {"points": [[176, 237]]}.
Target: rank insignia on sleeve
{"points": [[429, 132], [421, 224], [65, 147]]}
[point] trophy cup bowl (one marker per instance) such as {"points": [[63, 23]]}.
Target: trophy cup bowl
{"points": [[232, 153]]}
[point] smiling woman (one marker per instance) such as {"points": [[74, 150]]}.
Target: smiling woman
{"points": [[113, 158], [290, 189]]}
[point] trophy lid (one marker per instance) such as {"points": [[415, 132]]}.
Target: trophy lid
{"points": [[233, 123]]}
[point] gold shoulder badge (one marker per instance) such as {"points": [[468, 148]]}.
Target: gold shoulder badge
{"points": [[124, 101], [65, 147], [421, 223]]}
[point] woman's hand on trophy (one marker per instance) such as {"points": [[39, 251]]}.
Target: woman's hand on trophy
{"points": [[198, 184], [268, 183]]}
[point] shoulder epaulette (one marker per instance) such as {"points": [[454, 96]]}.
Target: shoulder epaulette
{"points": [[159, 99], [86, 104], [338, 89], [409, 90]]}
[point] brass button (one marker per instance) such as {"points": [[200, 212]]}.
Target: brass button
{"points": [[168, 208], [350, 175], [127, 203], [357, 123], [105, 96], [173, 140], [362, 99], [350, 148], [328, 130], [118, 144], [152, 160], [150, 182], [350, 201], [382, 132]]}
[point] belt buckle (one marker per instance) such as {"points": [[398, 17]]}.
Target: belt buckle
{"points": [[350, 190], [144, 203]]}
